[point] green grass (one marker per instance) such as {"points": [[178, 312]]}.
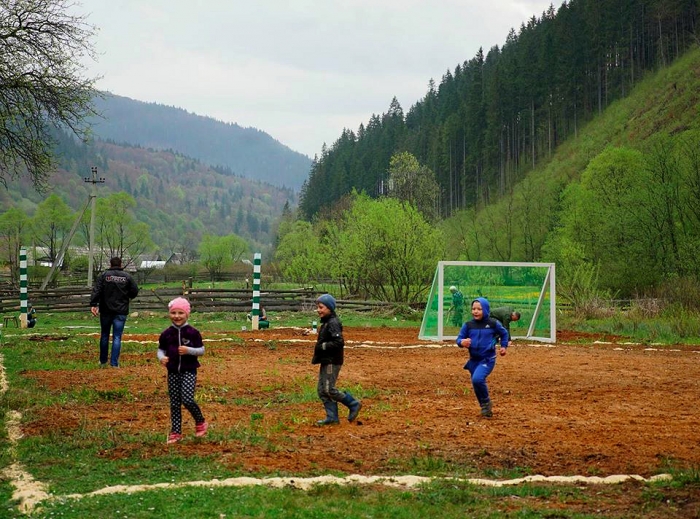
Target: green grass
{"points": [[442, 499], [149, 322], [80, 455], [672, 328]]}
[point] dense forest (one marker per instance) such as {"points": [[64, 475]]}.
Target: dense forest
{"points": [[246, 152], [498, 114]]}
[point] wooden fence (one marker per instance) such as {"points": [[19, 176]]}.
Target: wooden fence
{"points": [[77, 299]]}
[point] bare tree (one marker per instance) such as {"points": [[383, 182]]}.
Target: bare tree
{"points": [[41, 83], [118, 231]]}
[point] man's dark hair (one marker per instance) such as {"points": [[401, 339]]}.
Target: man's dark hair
{"points": [[116, 261]]}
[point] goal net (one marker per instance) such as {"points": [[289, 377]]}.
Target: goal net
{"points": [[529, 288]]}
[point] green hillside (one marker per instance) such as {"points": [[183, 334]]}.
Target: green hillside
{"points": [[180, 198], [487, 122], [615, 207], [618, 199]]}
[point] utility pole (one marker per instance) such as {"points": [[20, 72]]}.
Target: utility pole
{"points": [[93, 196]]}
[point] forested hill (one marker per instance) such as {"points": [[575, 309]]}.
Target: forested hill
{"points": [[247, 152], [178, 198], [496, 115]]}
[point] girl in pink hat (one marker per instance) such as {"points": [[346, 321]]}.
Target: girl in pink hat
{"points": [[178, 348]]}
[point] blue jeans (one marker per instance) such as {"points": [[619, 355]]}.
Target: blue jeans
{"points": [[479, 370], [116, 324]]}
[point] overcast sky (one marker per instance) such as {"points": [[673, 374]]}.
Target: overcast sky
{"points": [[298, 70]]}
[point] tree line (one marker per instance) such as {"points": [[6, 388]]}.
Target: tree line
{"points": [[118, 232], [496, 115]]}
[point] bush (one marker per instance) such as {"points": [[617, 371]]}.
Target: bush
{"points": [[581, 290]]}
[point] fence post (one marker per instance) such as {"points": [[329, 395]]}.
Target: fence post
{"points": [[23, 287], [255, 314]]}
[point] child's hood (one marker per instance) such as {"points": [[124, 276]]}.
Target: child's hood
{"points": [[485, 306]]}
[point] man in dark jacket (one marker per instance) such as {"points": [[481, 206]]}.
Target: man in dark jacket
{"points": [[328, 352], [111, 293]]}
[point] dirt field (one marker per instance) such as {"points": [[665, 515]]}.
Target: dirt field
{"points": [[588, 405]]}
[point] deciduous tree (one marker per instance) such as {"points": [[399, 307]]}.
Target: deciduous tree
{"points": [[411, 182], [387, 248], [300, 252], [41, 83], [218, 252], [14, 232], [51, 223], [118, 232]]}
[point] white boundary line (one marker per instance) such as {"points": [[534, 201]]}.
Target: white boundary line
{"points": [[27, 490], [355, 479]]}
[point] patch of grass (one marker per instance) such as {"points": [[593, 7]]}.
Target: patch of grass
{"points": [[684, 329], [444, 500], [429, 465], [220, 395], [7, 504], [103, 458], [685, 477]]}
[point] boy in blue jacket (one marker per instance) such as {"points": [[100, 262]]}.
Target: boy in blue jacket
{"points": [[480, 335]]}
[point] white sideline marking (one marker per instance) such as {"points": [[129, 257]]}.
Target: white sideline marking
{"points": [[27, 490], [30, 493], [355, 479], [372, 346]]}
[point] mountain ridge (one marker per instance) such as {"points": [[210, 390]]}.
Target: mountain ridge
{"points": [[248, 152]]}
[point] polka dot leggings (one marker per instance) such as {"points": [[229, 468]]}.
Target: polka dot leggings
{"points": [[181, 390]]}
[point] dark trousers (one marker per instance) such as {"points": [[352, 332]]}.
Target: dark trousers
{"points": [[327, 377]]}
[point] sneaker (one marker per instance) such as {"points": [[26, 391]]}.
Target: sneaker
{"points": [[174, 437], [487, 409], [200, 429]]}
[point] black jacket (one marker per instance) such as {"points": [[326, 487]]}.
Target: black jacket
{"points": [[113, 290], [171, 339], [330, 343]]}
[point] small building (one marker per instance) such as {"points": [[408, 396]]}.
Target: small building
{"points": [[152, 264]]}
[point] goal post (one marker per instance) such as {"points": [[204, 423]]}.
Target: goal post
{"points": [[529, 288]]}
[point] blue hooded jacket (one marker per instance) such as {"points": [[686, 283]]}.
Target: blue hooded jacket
{"points": [[484, 333]]}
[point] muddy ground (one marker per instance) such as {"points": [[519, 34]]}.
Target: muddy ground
{"points": [[589, 405]]}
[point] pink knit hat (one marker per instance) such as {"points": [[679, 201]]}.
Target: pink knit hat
{"points": [[180, 303]]}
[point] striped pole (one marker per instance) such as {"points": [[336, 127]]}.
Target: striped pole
{"points": [[23, 287], [257, 259]]}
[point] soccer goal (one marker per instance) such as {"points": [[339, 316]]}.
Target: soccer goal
{"points": [[529, 288]]}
